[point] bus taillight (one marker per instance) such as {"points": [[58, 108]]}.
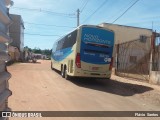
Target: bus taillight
{"points": [[111, 64], [78, 60]]}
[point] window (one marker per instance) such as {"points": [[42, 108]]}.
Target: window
{"points": [[133, 59], [96, 51], [67, 41], [70, 39], [157, 41], [60, 44], [54, 47], [143, 38]]}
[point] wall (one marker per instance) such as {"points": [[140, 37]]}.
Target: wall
{"points": [[16, 32], [134, 57], [129, 45], [126, 33], [155, 77], [13, 53], [4, 39]]}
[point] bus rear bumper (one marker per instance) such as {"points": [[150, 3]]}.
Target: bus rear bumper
{"points": [[93, 74]]}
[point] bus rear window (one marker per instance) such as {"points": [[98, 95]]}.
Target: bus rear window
{"points": [[96, 51], [98, 45]]}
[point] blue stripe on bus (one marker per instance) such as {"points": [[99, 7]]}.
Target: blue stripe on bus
{"points": [[99, 36], [61, 54]]}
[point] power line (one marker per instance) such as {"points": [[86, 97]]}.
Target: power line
{"points": [[85, 4], [46, 11], [125, 11], [42, 10], [42, 35], [48, 25], [95, 11], [36, 34], [121, 9]]}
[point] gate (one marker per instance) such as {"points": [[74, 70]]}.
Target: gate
{"points": [[155, 71], [133, 58]]}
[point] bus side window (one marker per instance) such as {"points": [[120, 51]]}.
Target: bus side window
{"points": [[70, 40], [54, 47], [73, 37], [60, 44]]}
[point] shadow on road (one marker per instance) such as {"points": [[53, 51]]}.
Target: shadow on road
{"points": [[111, 86], [37, 62]]}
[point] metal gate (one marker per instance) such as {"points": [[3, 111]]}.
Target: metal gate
{"points": [[155, 71], [156, 54], [133, 58]]}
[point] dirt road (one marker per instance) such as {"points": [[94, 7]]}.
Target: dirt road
{"points": [[36, 87]]}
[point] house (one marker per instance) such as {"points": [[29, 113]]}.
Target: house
{"points": [[132, 49], [16, 31]]}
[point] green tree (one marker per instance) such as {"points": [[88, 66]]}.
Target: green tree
{"points": [[37, 51]]}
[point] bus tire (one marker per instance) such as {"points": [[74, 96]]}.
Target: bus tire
{"points": [[62, 72], [67, 77]]}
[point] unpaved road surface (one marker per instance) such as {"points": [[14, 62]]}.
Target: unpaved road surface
{"points": [[36, 87]]}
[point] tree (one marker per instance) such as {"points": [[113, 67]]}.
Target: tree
{"points": [[37, 51]]}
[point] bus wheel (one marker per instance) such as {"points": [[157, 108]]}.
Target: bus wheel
{"points": [[66, 75], [62, 72]]}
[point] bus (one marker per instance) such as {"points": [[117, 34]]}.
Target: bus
{"points": [[85, 52]]}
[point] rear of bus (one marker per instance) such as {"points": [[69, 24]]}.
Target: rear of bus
{"points": [[94, 56]]}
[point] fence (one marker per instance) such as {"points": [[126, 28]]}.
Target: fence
{"points": [[155, 71], [133, 58], [156, 55]]}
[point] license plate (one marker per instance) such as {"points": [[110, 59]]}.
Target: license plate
{"points": [[95, 68]]}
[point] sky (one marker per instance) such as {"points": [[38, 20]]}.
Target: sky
{"points": [[46, 21]]}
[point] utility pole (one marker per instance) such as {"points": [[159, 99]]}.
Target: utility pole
{"points": [[152, 25], [78, 13]]}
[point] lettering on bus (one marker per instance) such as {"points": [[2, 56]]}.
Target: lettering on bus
{"points": [[104, 56], [95, 39], [87, 53], [58, 53], [107, 59]]}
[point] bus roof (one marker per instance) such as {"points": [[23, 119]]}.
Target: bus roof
{"points": [[85, 25]]}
